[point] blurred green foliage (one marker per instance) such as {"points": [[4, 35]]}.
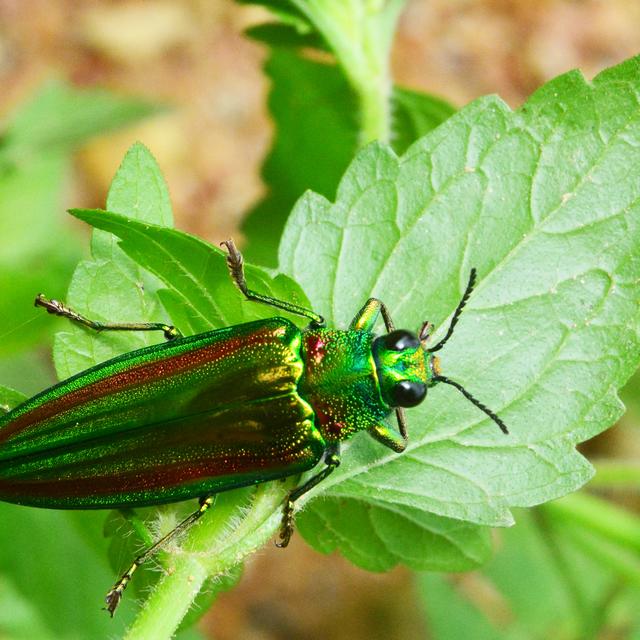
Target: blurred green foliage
{"points": [[47, 555], [40, 247], [316, 135], [539, 585]]}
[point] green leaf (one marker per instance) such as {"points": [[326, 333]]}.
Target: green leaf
{"points": [[19, 619], [129, 536], [196, 275], [599, 516], [10, 399], [56, 573], [415, 538], [450, 615], [276, 34], [29, 227], [199, 288], [111, 287], [631, 398], [286, 10], [415, 114], [293, 28], [26, 197], [26, 371], [34, 157], [316, 137], [543, 201], [60, 116], [359, 33], [575, 595]]}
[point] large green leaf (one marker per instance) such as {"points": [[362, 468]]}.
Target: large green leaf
{"points": [[200, 290], [543, 201]]}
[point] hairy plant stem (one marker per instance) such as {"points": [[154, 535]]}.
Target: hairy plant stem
{"points": [[360, 33], [211, 548]]}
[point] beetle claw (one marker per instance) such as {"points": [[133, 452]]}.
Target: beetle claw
{"points": [[115, 595], [286, 528], [113, 599], [285, 537]]}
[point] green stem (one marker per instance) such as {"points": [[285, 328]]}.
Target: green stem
{"points": [[211, 548], [573, 589], [598, 515], [375, 111], [604, 552], [360, 33], [616, 474]]}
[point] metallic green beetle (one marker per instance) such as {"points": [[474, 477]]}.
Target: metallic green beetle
{"points": [[224, 409]]}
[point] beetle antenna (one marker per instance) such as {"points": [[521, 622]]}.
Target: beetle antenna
{"points": [[474, 401], [458, 311], [425, 331]]}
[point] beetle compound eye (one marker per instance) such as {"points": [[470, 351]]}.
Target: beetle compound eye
{"points": [[408, 393], [399, 340]]}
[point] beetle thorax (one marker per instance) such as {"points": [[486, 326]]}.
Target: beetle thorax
{"points": [[340, 382]]}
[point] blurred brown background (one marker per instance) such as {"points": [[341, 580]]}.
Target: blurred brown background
{"points": [[192, 55]]}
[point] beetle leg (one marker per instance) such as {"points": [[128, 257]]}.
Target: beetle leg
{"points": [[332, 460], [58, 308], [235, 263], [367, 316], [388, 436], [402, 423], [115, 594]]}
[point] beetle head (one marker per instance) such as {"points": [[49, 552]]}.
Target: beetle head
{"points": [[407, 366], [405, 369]]}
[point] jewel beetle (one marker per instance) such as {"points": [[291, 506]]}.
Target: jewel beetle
{"points": [[228, 408]]}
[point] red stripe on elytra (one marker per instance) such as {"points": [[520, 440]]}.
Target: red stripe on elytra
{"points": [[139, 374], [141, 481]]}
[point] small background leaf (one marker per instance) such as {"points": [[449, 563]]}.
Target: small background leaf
{"points": [[575, 596], [315, 114], [68, 554], [37, 125], [111, 287], [10, 399], [414, 114], [35, 152], [199, 291]]}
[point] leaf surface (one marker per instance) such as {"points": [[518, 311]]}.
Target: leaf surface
{"points": [[544, 202]]}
